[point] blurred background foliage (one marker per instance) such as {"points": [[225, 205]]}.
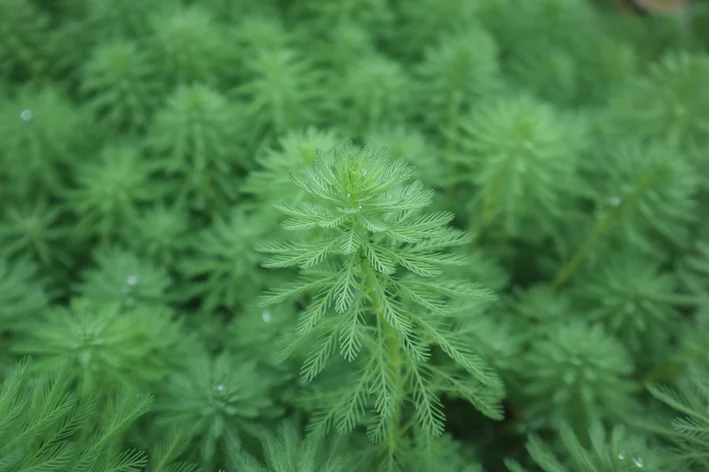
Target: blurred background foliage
{"points": [[142, 140]]}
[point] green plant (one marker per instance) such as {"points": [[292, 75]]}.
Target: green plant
{"points": [[688, 432], [375, 300], [280, 91], [376, 91], [105, 347], [454, 75], [40, 132], [199, 162], [286, 451], [120, 84], [678, 114], [47, 427], [492, 292], [23, 31], [216, 401], [636, 301], [21, 294], [186, 43], [158, 232], [581, 374], [518, 155], [222, 262], [110, 189], [271, 180], [35, 229], [614, 452], [122, 277]]}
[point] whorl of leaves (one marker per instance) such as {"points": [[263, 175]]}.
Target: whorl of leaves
{"points": [[376, 294]]}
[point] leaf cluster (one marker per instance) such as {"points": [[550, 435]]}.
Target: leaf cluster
{"points": [[524, 258]]}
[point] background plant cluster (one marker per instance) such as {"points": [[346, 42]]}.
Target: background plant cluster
{"points": [[142, 141]]}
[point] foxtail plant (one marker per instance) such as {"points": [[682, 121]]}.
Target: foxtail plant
{"points": [[369, 258]]}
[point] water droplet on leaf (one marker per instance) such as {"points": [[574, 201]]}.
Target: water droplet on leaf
{"points": [[614, 201], [26, 115], [621, 455], [639, 462], [266, 316], [132, 280]]}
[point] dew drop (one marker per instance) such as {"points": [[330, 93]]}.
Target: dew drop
{"points": [[220, 388], [614, 201], [360, 207], [266, 316], [639, 462], [349, 195], [132, 280], [26, 115], [621, 455], [364, 171]]}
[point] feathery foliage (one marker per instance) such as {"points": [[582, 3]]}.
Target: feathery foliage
{"points": [[614, 452], [215, 400], [370, 273], [22, 295], [121, 85], [356, 235], [689, 431], [104, 347]]}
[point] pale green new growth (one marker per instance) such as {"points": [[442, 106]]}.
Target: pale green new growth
{"points": [[369, 260]]}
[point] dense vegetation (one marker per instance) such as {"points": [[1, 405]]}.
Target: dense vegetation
{"points": [[354, 235]]}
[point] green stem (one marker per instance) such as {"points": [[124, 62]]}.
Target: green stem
{"points": [[43, 252], [212, 196], [601, 226], [491, 198], [570, 267], [452, 170], [485, 217], [451, 132], [390, 336]]}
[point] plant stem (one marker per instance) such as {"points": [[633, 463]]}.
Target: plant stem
{"points": [[570, 267], [601, 226], [390, 336], [498, 186], [450, 130], [485, 217]]}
